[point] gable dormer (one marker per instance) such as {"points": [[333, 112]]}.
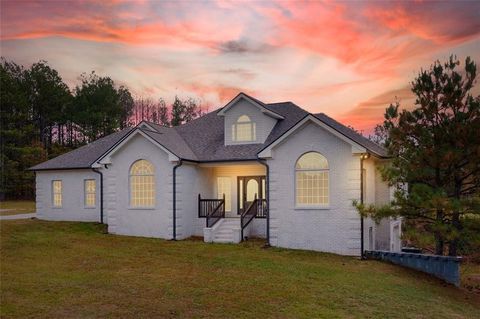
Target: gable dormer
{"points": [[247, 121]]}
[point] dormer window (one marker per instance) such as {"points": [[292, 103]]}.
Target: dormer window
{"points": [[244, 130]]}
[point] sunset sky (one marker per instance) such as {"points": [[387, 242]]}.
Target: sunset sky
{"points": [[347, 59]]}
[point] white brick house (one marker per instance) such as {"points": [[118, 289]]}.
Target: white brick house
{"points": [[250, 169]]}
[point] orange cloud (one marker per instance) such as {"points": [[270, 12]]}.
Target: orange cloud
{"points": [[365, 115], [221, 92], [110, 22]]}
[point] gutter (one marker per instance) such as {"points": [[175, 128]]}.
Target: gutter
{"points": [[101, 192], [267, 197], [180, 162], [56, 169], [362, 196]]}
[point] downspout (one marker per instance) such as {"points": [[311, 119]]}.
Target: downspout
{"points": [[175, 199], [362, 195], [267, 197], [101, 192]]}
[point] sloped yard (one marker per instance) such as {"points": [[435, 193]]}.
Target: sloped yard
{"points": [[60, 270]]}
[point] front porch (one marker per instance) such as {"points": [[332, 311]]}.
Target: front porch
{"points": [[234, 206]]}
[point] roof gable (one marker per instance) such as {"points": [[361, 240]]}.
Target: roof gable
{"points": [[266, 152], [260, 105], [371, 146], [106, 158]]}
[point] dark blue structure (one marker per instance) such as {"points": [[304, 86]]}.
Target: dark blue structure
{"points": [[443, 267]]}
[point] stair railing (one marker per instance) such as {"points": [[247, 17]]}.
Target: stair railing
{"points": [[249, 214], [212, 209]]}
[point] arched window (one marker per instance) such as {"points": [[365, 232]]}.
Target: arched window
{"points": [[142, 184], [311, 175], [244, 130]]}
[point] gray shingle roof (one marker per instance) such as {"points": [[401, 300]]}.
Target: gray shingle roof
{"points": [[351, 134], [171, 140], [202, 140], [85, 156]]}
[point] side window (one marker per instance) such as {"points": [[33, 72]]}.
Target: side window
{"points": [[311, 180], [90, 192], [142, 184], [244, 130], [57, 189], [224, 186]]}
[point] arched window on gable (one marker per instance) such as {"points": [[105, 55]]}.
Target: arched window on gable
{"points": [[142, 184], [244, 130], [311, 180]]}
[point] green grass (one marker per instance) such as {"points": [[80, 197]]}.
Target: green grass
{"points": [[15, 207], [63, 270]]}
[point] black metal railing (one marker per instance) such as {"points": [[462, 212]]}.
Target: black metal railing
{"points": [[212, 209], [262, 208], [249, 214]]}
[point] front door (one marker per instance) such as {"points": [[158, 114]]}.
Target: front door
{"points": [[249, 188]]}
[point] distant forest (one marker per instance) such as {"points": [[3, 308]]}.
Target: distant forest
{"points": [[41, 117]]}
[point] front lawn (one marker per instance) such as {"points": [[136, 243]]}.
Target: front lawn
{"points": [[14, 207], [61, 270]]}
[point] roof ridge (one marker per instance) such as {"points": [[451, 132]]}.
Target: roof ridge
{"points": [[248, 95], [282, 102], [197, 118], [148, 130]]}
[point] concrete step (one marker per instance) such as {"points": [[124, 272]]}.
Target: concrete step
{"points": [[223, 237], [225, 231], [224, 241]]}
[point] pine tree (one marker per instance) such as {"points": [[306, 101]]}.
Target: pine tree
{"points": [[435, 150]]}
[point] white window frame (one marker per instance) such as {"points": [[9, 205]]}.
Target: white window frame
{"points": [[130, 175], [86, 193], [317, 206], [253, 129], [228, 196], [57, 193]]}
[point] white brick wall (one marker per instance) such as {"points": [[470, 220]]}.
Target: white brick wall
{"points": [[336, 229], [123, 220], [73, 208]]}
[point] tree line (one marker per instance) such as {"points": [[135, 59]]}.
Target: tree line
{"points": [[41, 117]]}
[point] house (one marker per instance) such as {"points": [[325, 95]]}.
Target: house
{"points": [[250, 169]]}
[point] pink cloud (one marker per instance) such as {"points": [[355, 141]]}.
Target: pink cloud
{"points": [[372, 37], [114, 21], [447, 23], [366, 114], [322, 55]]}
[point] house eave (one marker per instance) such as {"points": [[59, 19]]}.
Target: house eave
{"points": [[58, 168]]}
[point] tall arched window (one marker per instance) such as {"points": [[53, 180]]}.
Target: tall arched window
{"points": [[311, 174], [142, 184], [244, 130]]}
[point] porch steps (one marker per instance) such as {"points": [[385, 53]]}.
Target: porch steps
{"points": [[225, 231]]}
